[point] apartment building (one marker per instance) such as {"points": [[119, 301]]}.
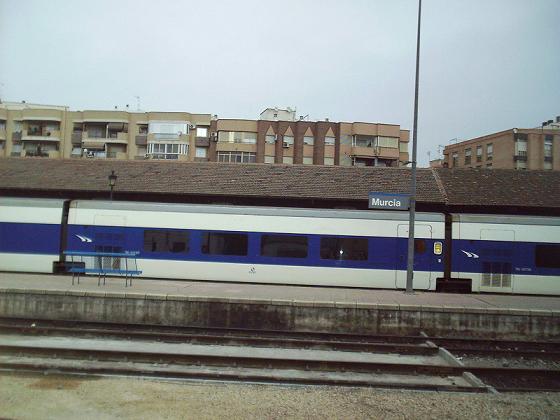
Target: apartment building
{"points": [[276, 137], [516, 148]]}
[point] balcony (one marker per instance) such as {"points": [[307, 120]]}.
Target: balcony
{"points": [[548, 158], [16, 136], [40, 135], [521, 156], [94, 140], [385, 152], [141, 140], [77, 138]]}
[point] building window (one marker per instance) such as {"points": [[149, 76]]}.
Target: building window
{"points": [[391, 142], [166, 241], [364, 141], [289, 140], [167, 150], [268, 159], [468, 153], [309, 141], [288, 159], [353, 249], [201, 152], [455, 159], [521, 147], [479, 153], [2, 124], [201, 132], [218, 243], [237, 157], [143, 129], [284, 246], [168, 129], [403, 147], [270, 139], [308, 161], [245, 137], [521, 164], [548, 152], [329, 161], [489, 166], [489, 151], [329, 141]]}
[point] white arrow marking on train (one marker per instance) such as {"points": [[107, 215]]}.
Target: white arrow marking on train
{"points": [[84, 238], [470, 254]]}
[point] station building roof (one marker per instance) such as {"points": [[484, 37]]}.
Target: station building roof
{"points": [[452, 190]]}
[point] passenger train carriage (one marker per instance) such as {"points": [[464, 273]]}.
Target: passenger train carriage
{"points": [[284, 245]]}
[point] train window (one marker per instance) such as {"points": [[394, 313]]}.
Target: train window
{"points": [[419, 246], [218, 243], [166, 241], [547, 256], [284, 246], [333, 248]]}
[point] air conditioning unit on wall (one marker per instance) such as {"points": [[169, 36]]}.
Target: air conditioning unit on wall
{"points": [[286, 145]]}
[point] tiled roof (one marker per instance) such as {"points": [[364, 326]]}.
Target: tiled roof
{"points": [[254, 180], [501, 187], [455, 187]]}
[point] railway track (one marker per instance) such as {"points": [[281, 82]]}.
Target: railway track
{"points": [[416, 362]]}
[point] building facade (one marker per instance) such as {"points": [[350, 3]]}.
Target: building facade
{"points": [[29, 130], [535, 148]]}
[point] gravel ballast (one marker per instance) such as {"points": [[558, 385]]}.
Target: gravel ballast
{"points": [[70, 397]]}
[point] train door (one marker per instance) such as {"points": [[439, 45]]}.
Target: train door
{"points": [[109, 236], [422, 257], [497, 253]]}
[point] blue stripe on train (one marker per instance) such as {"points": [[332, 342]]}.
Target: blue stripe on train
{"points": [[382, 252], [29, 238], [470, 256]]}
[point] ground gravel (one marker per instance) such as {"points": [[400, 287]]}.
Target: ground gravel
{"points": [[59, 397]]}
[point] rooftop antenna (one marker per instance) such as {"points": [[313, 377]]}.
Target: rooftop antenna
{"points": [[137, 103]]}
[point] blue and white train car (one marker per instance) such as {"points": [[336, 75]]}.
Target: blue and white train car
{"points": [[262, 245], [507, 254], [30, 233]]}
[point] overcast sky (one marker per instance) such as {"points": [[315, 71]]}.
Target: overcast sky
{"points": [[486, 65]]}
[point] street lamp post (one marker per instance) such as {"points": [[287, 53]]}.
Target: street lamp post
{"points": [[112, 182], [410, 263]]}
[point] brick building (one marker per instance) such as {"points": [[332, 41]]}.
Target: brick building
{"points": [[30, 130], [516, 148]]}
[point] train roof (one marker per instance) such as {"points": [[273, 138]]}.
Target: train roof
{"points": [[506, 219], [256, 211], [31, 202]]}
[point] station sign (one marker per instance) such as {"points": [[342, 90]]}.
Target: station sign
{"points": [[387, 201]]}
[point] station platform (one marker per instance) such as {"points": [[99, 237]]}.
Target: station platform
{"points": [[278, 307]]}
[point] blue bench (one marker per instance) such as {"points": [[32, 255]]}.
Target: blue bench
{"points": [[103, 264]]}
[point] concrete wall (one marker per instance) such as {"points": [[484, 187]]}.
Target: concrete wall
{"points": [[171, 310]]}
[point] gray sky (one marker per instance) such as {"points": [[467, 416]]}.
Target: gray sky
{"points": [[486, 65]]}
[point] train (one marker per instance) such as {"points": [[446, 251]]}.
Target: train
{"points": [[296, 246]]}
